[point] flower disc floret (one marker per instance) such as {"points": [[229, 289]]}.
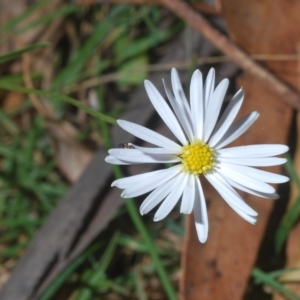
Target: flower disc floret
{"points": [[198, 158]]}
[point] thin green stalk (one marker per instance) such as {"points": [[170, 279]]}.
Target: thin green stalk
{"points": [[293, 212], [137, 221], [12, 87], [15, 54], [264, 278], [66, 273]]}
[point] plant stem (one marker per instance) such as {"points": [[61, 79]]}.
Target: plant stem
{"points": [[138, 222]]}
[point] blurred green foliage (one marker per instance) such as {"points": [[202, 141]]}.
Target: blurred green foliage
{"points": [[119, 41]]}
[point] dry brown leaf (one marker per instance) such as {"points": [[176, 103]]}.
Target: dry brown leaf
{"points": [[220, 269], [12, 100], [71, 156]]}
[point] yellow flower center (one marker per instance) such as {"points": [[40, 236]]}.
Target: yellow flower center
{"points": [[197, 158]]}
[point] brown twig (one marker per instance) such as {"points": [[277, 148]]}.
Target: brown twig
{"points": [[196, 21]]}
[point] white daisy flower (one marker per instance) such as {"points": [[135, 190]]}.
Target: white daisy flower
{"points": [[201, 151]]}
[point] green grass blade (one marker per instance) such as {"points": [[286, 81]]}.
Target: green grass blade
{"points": [[138, 222], [293, 213], [140, 290], [275, 274], [13, 251], [15, 54], [21, 222], [51, 95], [291, 171], [99, 272], [264, 278], [8, 124], [59, 281], [139, 47], [80, 58], [286, 224], [108, 253], [94, 71], [19, 78], [60, 12]]}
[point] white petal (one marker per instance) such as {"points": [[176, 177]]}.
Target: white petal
{"points": [[200, 213], [188, 198], [227, 118], [237, 129], [124, 183], [197, 106], [180, 115], [255, 162], [157, 196], [172, 198], [148, 135], [250, 219], [136, 156], [151, 183], [155, 150], [164, 110], [229, 194], [244, 179], [272, 196], [253, 151], [180, 95], [213, 109], [179, 92], [114, 161], [257, 174], [209, 87], [231, 198]]}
